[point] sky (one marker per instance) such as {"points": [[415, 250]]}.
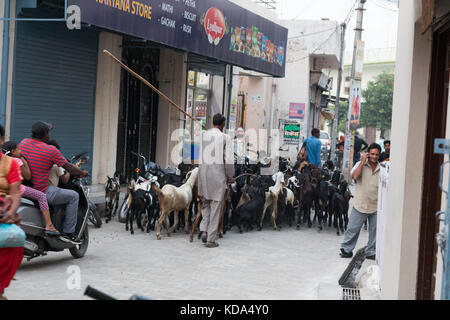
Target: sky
{"points": [[379, 20]]}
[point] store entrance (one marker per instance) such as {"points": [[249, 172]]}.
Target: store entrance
{"points": [[138, 112]]}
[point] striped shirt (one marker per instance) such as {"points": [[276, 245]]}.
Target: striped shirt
{"points": [[41, 157]]}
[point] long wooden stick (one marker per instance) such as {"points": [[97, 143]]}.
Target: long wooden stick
{"points": [[148, 84]]}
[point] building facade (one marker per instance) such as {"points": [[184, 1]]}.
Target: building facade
{"points": [[412, 265], [313, 47], [62, 76]]}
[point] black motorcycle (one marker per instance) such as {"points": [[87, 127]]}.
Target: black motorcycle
{"points": [[37, 242]]}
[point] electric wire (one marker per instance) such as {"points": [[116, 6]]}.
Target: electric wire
{"points": [[317, 48], [311, 34], [379, 5], [347, 19]]}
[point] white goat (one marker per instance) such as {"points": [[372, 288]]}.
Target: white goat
{"points": [[272, 199], [175, 199]]}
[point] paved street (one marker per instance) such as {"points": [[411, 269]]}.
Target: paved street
{"points": [[255, 265]]}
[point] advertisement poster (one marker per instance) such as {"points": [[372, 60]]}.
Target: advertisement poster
{"points": [[291, 133], [218, 29], [233, 110], [355, 103], [296, 110]]}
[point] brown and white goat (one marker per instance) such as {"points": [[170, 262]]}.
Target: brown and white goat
{"points": [[176, 199]]}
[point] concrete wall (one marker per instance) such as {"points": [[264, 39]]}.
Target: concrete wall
{"points": [[106, 108], [295, 89], [399, 273], [172, 82], [321, 37]]}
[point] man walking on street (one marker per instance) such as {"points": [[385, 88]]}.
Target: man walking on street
{"points": [[365, 203], [215, 171], [313, 148]]}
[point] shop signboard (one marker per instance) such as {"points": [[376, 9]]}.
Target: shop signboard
{"points": [[296, 110], [291, 132], [218, 29]]}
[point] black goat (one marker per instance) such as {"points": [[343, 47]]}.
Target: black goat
{"points": [[247, 214], [336, 178], [322, 202], [337, 208], [141, 202], [286, 207], [112, 193], [305, 196], [329, 165], [345, 192]]}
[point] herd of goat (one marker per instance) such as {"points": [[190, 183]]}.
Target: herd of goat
{"points": [[289, 195]]}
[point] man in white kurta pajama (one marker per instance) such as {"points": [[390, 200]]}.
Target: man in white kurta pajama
{"points": [[215, 171]]}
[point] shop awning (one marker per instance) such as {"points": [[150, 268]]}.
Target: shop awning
{"points": [[327, 114], [217, 29]]}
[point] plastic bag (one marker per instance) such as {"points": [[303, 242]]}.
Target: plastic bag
{"points": [[11, 236]]}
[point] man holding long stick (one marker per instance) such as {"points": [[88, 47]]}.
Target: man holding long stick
{"points": [[215, 171]]}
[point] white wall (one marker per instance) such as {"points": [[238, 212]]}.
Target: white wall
{"points": [[408, 135], [320, 37], [172, 82], [257, 9], [106, 108], [294, 89]]}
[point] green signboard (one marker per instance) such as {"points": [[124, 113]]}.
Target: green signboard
{"points": [[291, 133]]}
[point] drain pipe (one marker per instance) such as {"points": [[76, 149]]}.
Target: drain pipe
{"points": [[5, 63], [230, 88], [272, 109]]}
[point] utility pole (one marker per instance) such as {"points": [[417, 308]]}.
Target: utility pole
{"points": [[350, 132], [338, 96]]}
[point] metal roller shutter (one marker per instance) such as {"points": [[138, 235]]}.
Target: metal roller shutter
{"points": [[55, 80]]}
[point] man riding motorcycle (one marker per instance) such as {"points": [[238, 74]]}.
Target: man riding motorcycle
{"points": [[41, 157]]}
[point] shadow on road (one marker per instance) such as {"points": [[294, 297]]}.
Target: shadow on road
{"points": [[43, 262]]}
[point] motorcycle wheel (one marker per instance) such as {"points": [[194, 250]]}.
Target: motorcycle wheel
{"points": [[80, 250], [123, 211], [94, 217]]}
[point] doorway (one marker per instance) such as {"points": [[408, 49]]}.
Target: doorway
{"points": [[138, 111], [431, 195]]}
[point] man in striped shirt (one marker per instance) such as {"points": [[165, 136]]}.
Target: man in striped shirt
{"points": [[41, 157]]}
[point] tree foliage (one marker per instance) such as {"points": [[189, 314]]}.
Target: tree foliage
{"points": [[343, 110], [376, 110]]}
